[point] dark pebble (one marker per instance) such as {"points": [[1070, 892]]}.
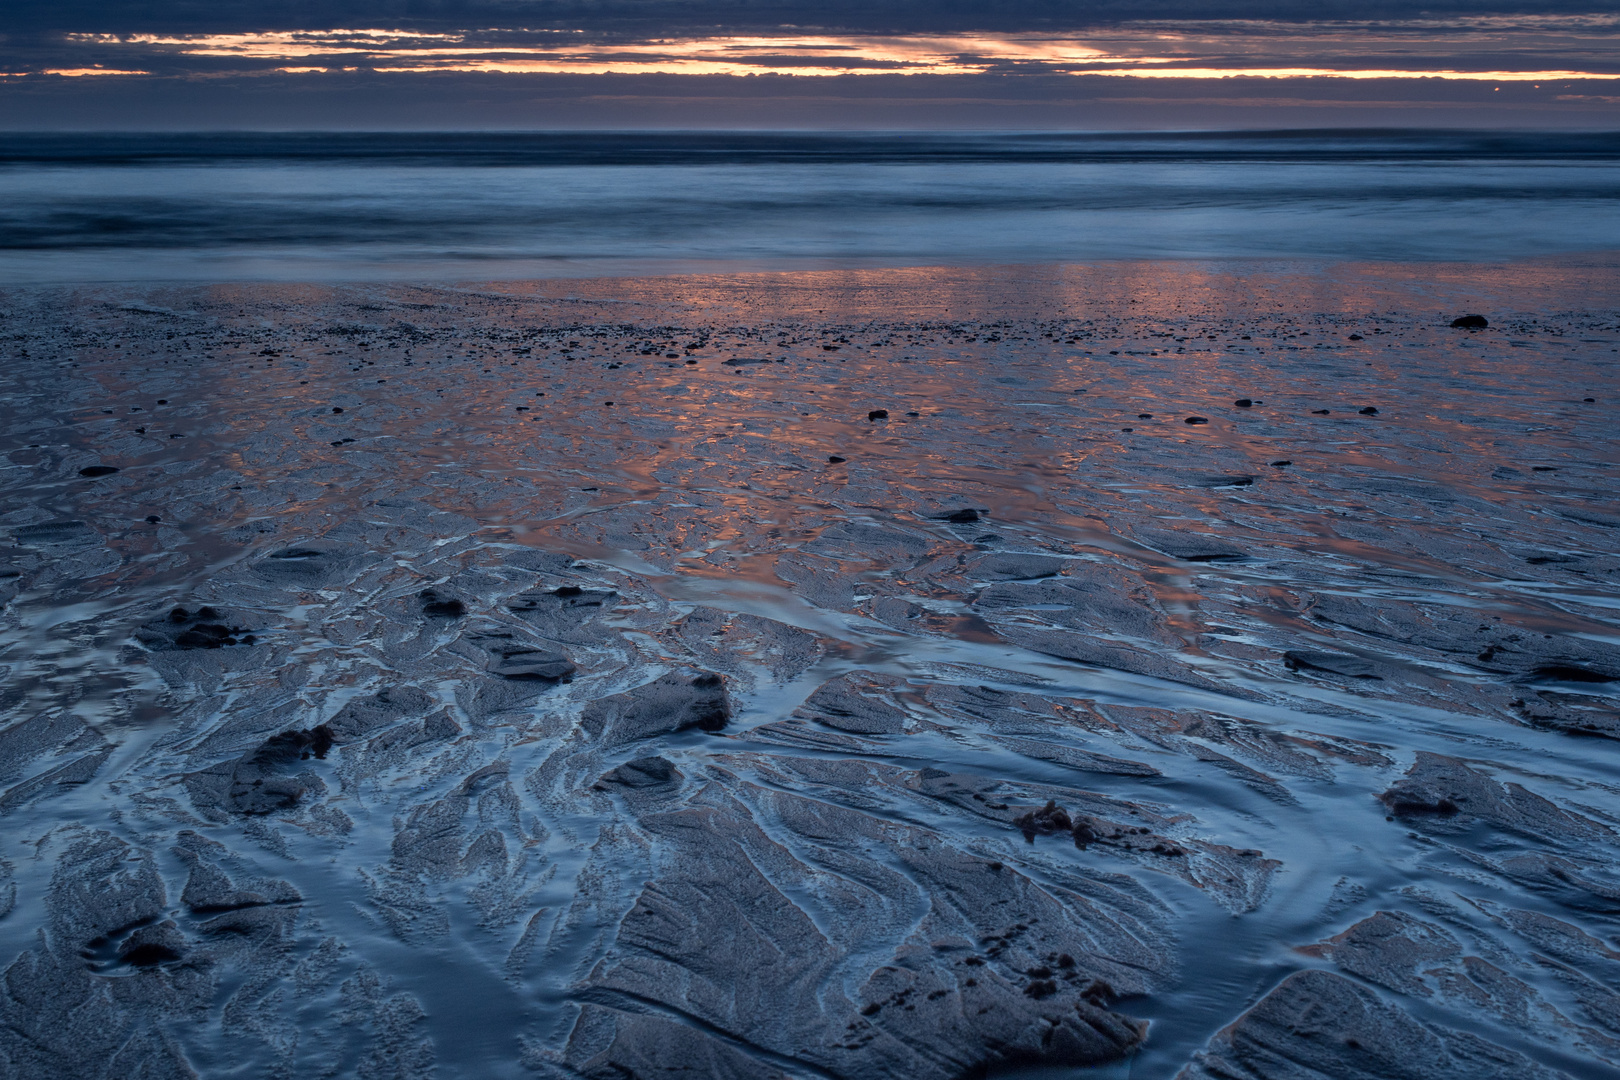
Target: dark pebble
{"points": [[1196, 420], [1144, 416], [176, 435], [152, 519], [1280, 464], [436, 607], [98, 470], [163, 401], [835, 460], [140, 431], [878, 414], [691, 361], [1589, 399], [1355, 337], [1368, 410], [1319, 412], [1243, 403], [962, 517], [913, 414], [1470, 322], [337, 408], [607, 402]]}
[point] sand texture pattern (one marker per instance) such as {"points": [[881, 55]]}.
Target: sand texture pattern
{"points": [[894, 675]]}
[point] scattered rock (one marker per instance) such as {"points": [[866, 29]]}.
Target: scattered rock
{"points": [[1196, 420], [674, 702], [1470, 322], [1368, 410], [435, 606], [878, 414], [98, 470], [1049, 819], [642, 773], [1243, 402], [513, 659], [205, 628]]}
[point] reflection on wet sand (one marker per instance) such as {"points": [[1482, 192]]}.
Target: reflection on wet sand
{"points": [[846, 674]]}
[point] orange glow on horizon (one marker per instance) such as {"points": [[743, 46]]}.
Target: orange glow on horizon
{"points": [[398, 51]]}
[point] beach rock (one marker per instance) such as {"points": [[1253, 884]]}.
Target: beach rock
{"points": [[878, 414], [642, 773], [98, 470], [435, 606], [1196, 420], [1243, 402], [965, 516], [513, 659], [1368, 410], [835, 460], [679, 700], [205, 628], [1470, 322]]}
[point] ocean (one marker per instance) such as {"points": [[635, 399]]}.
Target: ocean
{"points": [[355, 207]]}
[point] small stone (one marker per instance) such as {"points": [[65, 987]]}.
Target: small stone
{"points": [[98, 470], [1196, 420], [163, 401], [1470, 322], [152, 519], [963, 516], [913, 414], [1368, 410], [1280, 464], [1243, 402], [835, 460], [1144, 416], [607, 403], [1319, 412], [1589, 399], [437, 607], [1356, 337], [337, 408], [878, 414]]}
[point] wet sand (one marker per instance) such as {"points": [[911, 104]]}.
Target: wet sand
{"points": [[1129, 670]]}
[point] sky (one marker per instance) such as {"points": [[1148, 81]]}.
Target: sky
{"points": [[853, 64]]}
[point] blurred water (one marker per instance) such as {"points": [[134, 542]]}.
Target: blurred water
{"points": [[377, 207]]}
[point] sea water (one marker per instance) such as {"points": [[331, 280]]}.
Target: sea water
{"points": [[207, 207]]}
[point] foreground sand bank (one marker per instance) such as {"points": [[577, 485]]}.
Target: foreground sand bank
{"points": [[892, 673]]}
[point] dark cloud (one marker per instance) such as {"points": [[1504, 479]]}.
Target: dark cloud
{"points": [[30, 17]]}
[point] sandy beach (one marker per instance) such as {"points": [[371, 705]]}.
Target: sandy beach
{"points": [[1165, 669]]}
